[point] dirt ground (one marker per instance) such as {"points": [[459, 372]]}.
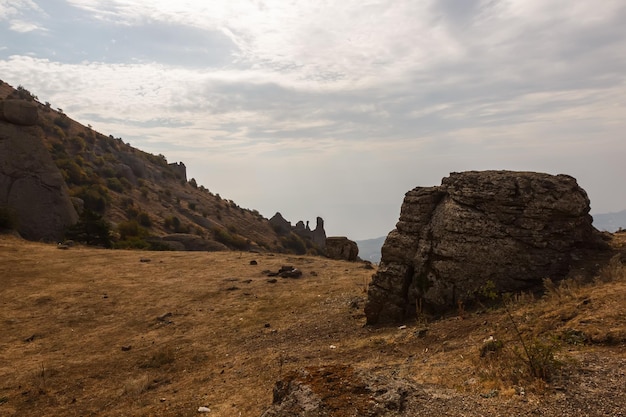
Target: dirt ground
{"points": [[127, 333]]}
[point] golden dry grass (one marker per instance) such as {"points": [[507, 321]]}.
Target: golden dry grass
{"points": [[99, 332]]}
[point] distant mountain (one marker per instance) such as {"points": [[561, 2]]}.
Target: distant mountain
{"points": [[611, 222], [369, 249]]}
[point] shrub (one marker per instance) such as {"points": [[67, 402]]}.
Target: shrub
{"points": [[144, 219], [95, 197], [62, 121], [129, 229], [91, 229], [236, 242], [115, 185]]}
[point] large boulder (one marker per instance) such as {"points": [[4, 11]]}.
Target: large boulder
{"points": [[479, 232], [31, 185], [339, 247], [19, 112]]}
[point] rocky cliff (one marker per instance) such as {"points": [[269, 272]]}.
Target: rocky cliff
{"points": [[31, 185], [479, 232]]}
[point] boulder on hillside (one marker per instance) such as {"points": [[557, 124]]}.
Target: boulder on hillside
{"points": [[19, 112], [339, 247], [498, 231], [31, 185]]}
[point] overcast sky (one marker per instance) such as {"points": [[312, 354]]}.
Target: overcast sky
{"points": [[338, 108]]}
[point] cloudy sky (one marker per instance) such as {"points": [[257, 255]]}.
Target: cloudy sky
{"points": [[337, 108]]}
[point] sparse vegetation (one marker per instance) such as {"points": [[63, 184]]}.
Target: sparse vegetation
{"points": [[169, 328]]}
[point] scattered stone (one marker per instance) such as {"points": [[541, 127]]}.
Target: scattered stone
{"points": [[204, 410], [253, 262], [272, 281], [145, 260], [164, 317], [30, 338], [294, 273], [313, 273], [126, 348], [267, 325], [233, 288], [62, 246]]}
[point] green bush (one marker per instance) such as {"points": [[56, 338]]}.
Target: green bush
{"points": [[62, 121], [130, 228], [232, 241], [91, 229], [144, 219], [95, 197], [115, 185]]}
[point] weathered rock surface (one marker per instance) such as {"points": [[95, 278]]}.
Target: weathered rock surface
{"points": [[19, 112], [338, 390], [500, 231], [317, 236], [339, 247], [31, 184]]}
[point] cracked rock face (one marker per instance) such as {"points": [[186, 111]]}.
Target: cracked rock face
{"points": [[32, 185], [498, 231]]}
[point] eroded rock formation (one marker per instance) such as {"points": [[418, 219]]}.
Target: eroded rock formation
{"points": [[498, 231], [31, 185], [317, 235], [339, 247]]}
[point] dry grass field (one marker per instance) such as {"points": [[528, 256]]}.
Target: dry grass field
{"points": [[89, 332]]}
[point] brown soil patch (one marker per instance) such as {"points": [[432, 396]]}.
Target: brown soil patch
{"points": [[118, 333]]}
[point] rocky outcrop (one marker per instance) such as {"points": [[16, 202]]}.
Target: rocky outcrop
{"points": [[179, 169], [340, 390], [31, 185], [19, 112], [339, 247], [317, 236], [497, 231], [280, 224]]}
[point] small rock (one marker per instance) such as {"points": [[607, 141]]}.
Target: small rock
{"points": [[267, 325], [272, 281], [332, 347], [204, 410], [402, 327], [145, 260], [253, 262], [163, 317], [126, 348], [162, 400], [62, 246]]}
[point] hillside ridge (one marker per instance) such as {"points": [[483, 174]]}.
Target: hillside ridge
{"points": [[147, 201]]}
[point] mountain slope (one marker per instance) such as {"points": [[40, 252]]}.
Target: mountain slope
{"points": [[369, 249], [148, 202], [611, 222]]}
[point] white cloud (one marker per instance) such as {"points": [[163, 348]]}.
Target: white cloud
{"points": [[354, 100]]}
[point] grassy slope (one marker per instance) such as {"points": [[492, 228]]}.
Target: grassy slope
{"points": [[66, 315]]}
